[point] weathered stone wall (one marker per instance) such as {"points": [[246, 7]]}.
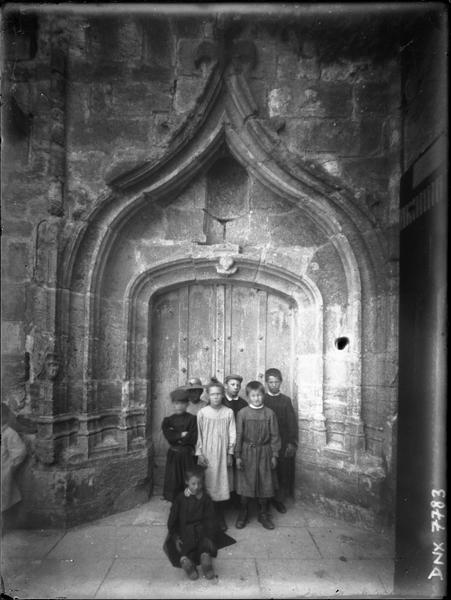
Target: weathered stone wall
{"points": [[90, 97]]}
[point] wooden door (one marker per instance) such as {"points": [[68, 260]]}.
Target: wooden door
{"points": [[215, 329]]}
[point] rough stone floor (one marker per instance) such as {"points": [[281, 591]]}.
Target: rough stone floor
{"points": [[121, 556]]}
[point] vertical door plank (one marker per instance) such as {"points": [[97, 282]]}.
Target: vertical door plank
{"points": [[262, 299], [183, 318], [164, 368], [201, 331], [279, 344], [244, 332], [228, 330], [219, 334]]}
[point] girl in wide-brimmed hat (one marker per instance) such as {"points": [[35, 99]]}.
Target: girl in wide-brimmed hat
{"points": [[180, 430]]}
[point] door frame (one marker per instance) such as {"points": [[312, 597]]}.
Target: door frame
{"points": [[308, 346]]}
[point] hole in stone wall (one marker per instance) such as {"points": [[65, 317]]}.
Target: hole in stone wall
{"points": [[341, 343]]}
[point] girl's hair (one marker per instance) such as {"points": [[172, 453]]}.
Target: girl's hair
{"points": [[195, 471], [216, 384], [255, 385]]}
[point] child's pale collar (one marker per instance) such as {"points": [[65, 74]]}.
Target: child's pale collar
{"points": [[269, 393], [256, 407], [188, 493]]}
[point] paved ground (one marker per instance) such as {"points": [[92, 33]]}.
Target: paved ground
{"points": [[121, 557]]}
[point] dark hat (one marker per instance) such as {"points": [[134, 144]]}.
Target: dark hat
{"points": [[233, 376], [273, 373], [179, 395], [194, 384]]}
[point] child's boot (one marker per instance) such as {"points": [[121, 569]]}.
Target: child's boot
{"points": [[189, 568], [220, 516], [264, 516], [207, 565], [242, 518]]}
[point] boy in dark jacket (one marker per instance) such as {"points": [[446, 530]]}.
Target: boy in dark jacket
{"points": [[288, 430]]}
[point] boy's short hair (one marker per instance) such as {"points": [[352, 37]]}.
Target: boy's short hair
{"points": [[273, 373], [195, 471], [217, 384], [255, 385], [233, 376]]}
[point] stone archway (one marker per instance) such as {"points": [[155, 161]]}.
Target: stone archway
{"points": [[98, 409]]}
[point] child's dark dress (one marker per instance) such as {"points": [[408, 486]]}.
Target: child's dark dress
{"points": [[181, 453], [257, 441], [193, 520]]}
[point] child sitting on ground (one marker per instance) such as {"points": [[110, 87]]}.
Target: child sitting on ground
{"points": [[215, 446], [180, 430], [193, 534], [256, 451]]}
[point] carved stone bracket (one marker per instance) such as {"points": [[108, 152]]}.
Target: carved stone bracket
{"points": [[226, 266]]}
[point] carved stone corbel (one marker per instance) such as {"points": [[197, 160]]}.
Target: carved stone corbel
{"points": [[226, 266]]}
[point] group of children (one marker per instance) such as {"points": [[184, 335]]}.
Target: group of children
{"points": [[223, 448]]}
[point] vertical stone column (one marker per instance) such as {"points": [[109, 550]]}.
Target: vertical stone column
{"points": [[354, 426], [310, 368], [46, 387], [46, 362], [58, 64]]}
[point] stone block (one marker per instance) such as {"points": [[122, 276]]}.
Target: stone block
{"points": [[109, 132], [320, 99], [339, 71], [140, 99], [279, 101], [263, 199], [17, 229], [18, 267], [338, 136], [13, 302], [371, 139], [15, 202], [330, 276], [265, 67], [295, 230], [129, 47], [308, 68], [109, 392], [367, 173], [380, 369], [287, 66], [152, 72], [186, 55], [371, 98], [187, 91], [189, 26], [259, 90], [184, 225], [193, 198], [13, 367]]}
